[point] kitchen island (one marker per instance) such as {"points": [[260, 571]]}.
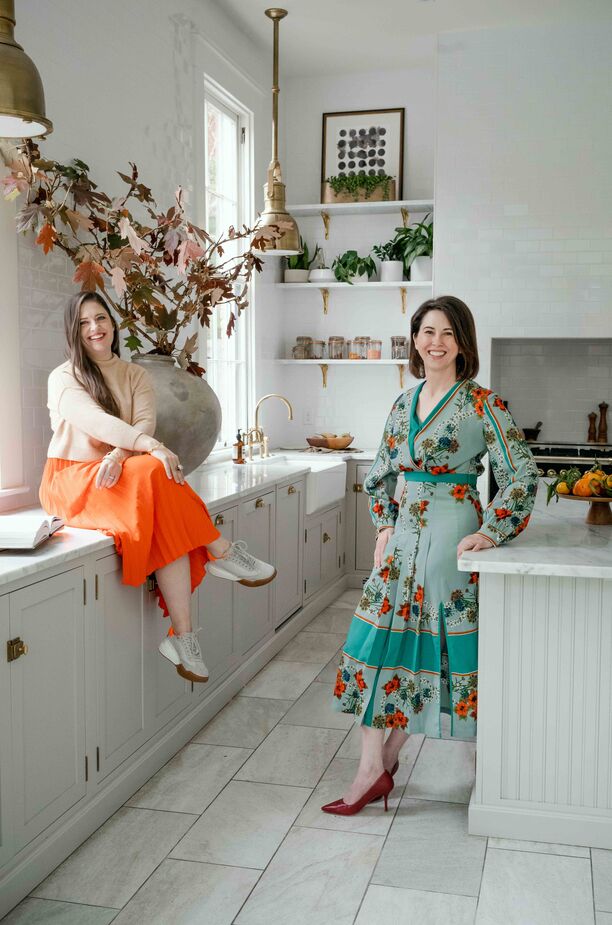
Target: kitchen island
{"points": [[544, 750]]}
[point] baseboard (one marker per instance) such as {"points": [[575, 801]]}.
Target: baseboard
{"points": [[531, 824], [36, 861]]}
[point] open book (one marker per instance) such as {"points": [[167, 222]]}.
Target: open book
{"points": [[26, 531]]}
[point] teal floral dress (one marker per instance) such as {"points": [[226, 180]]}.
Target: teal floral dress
{"points": [[412, 646]]}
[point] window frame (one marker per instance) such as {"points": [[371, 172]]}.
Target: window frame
{"points": [[226, 102]]}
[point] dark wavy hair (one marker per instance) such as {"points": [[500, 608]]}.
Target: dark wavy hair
{"points": [[461, 321], [86, 372]]}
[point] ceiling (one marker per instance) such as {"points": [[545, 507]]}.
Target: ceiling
{"points": [[335, 36]]}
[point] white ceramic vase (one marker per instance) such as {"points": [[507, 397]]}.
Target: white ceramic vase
{"points": [[322, 275], [296, 276], [391, 271], [420, 270]]}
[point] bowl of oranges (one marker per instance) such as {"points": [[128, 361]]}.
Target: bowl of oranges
{"points": [[594, 486]]}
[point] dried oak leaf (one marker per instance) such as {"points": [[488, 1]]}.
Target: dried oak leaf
{"points": [[88, 275], [47, 236]]}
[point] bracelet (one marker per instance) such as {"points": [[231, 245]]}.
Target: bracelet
{"points": [[156, 447]]}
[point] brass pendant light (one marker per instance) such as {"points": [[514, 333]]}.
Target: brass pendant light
{"points": [[22, 99], [275, 210]]}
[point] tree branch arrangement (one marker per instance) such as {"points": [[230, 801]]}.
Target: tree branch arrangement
{"points": [[160, 272]]}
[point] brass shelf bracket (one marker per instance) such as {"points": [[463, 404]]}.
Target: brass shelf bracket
{"points": [[401, 367], [405, 216], [324, 367], [403, 292], [325, 217], [325, 296]]}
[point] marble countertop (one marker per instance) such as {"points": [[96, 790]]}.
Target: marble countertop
{"points": [[217, 485], [557, 541]]}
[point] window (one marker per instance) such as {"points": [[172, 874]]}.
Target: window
{"points": [[227, 184]]}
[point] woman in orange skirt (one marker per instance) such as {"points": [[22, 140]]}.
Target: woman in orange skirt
{"points": [[106, 471]]}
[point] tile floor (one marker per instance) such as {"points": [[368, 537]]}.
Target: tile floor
{"points": [[230, 830]]}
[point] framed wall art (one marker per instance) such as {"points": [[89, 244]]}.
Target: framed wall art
{"points": [[366, 142]]}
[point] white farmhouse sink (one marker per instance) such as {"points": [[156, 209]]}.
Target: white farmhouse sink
{"points": [[325, 483]]}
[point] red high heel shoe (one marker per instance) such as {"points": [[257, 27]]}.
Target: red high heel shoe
{"points": [[381, 787], [392, 772]]}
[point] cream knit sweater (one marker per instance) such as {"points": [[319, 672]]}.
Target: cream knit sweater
{"points": [[83, 431]]}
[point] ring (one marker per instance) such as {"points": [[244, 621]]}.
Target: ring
{"points": [[178, 466]]}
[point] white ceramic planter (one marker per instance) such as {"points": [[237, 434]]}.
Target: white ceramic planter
{"points": [[391, 271], [296, 276], [420, 270], [322, 276]]}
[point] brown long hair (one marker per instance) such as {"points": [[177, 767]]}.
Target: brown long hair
{"points": [[461, 321], [86, 372]]}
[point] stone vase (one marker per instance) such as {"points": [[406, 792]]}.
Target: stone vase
{"points": [[188, 411]]}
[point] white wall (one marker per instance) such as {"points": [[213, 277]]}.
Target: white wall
{"points": [[523, 195], [123, 83]]}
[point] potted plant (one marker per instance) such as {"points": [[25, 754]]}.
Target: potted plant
{"points": [[415, 244], [350, 265], [298, 266], [323, 273], [161, 274], [391, 263], [358, 188]]}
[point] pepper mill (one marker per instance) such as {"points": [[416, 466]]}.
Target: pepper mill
{"points": [[592, 428], [602, 432]]}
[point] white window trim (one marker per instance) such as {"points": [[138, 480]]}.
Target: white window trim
{"points": [[210, 88], [11, 446]]}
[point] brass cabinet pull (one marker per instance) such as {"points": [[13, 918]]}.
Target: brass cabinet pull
{"points": [[15, 648], [358, 488], [260, 503], [291, 490], [326, 537], [219, 520]]}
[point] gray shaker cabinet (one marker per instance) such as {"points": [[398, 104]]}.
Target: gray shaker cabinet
{"points": [[323, 549], [47, 697], [288, 584], [253, 614], [6, 842], [365, 532]]}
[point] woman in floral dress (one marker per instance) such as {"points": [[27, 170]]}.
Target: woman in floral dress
{"points": [[412, 647]]}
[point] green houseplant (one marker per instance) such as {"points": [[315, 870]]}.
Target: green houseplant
{"points": [[349, 265], [415, 244], [298, 266], [391, 263], [358, 188]]}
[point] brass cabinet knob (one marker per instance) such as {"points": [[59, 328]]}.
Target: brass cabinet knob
{"points": [[15, 648], [540, 472], [260, 503], [219, 520], [551, 473], [326, 537], [291, 490]]}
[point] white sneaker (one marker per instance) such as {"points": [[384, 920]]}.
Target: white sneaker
{"points": [[239, 565], [184, 652]]}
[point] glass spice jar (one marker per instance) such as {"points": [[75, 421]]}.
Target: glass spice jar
{"points": [[335, 348], [374, 351], [318, 350], [353, 350], [399, 347], [303, 348]]}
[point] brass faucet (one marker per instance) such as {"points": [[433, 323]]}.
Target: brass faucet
{"points": [[258, 430]]}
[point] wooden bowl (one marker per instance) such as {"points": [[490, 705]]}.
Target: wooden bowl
{"points": [[339, 443], [598, 514], [317, 441]]}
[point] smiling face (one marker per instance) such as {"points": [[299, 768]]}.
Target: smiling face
{"points": [[96, 330], [436, 344]]}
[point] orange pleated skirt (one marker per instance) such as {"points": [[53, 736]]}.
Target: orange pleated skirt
{"points": [[152, 519]]}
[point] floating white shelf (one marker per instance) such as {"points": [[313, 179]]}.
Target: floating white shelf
{"points": [[324, 288], [323, 364], [356, 208]]}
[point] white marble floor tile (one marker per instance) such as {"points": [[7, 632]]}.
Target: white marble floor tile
{"points": [[317, 877], [315, 708], [428, 848], [192, 779], [520, 887], [281, 680], [372, 820], [294, 755], [331, 620], [385, 904], [602, 878], [539, 847], [444, 771], [244, 826], [244, 722], [329, 672], [348, 599], [115, 861], [182, 893], [311, 647], [603, 918], [52, 912]]}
